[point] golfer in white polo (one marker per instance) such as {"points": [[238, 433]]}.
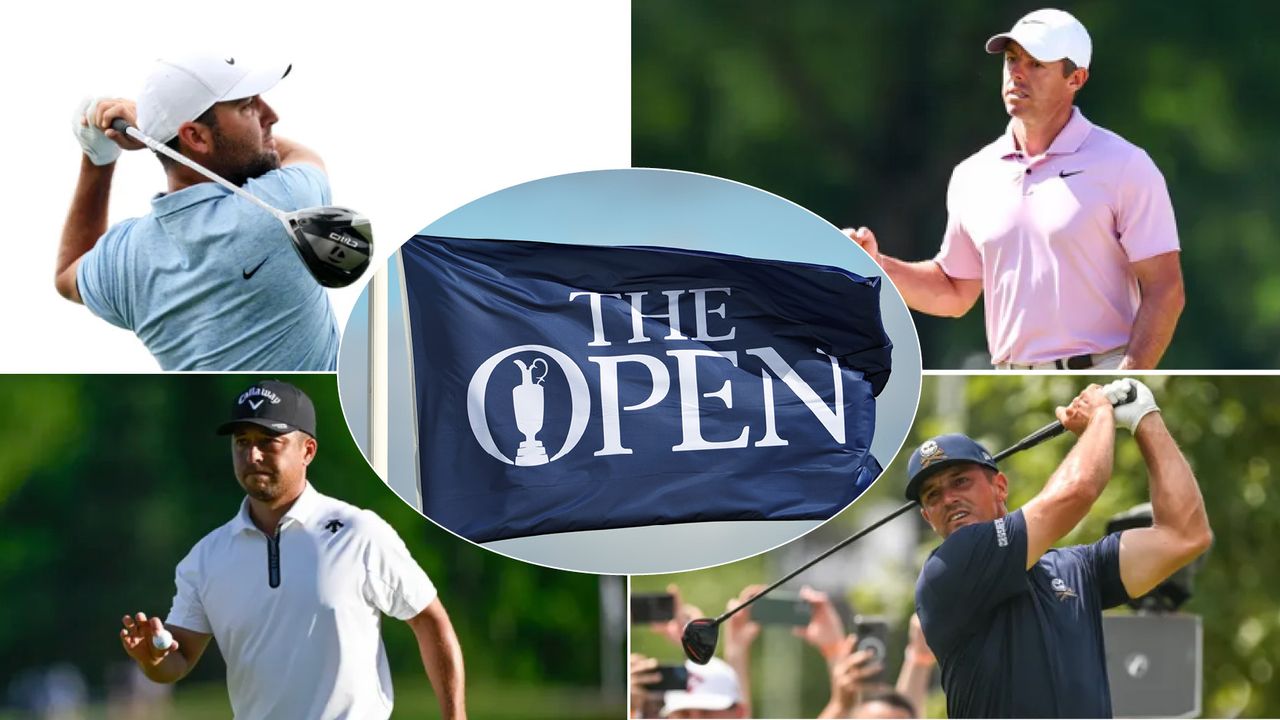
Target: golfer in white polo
{"points": [[295, 585]]}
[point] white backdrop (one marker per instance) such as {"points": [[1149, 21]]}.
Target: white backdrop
{"points": [[416, 108]]}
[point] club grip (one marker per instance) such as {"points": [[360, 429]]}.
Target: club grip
{"points": [[120, 125], [1130, 392]]}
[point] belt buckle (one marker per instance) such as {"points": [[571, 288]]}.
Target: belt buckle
{"points": [[1078, 362]]}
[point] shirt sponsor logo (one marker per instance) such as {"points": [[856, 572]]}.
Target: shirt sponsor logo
{"points": [[1061, 590], [1002, 535], [250, 273]]}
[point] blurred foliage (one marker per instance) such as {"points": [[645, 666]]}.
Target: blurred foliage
{"points": [[413, 697], [107, 482], [1226, 427], [859, 111]]}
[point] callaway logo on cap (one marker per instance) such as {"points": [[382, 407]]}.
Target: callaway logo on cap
{"points": [[273, 405]]}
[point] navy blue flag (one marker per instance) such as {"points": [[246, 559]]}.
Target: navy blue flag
{"points": [[568, 387]]}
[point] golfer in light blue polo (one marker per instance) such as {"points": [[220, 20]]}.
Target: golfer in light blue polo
{"points": [[207, 281]]}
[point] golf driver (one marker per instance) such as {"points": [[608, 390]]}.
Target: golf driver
{"points": [[701, 636], [336, 244]]}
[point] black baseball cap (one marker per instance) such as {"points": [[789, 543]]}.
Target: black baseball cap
{"points": [[273, 405], [942, 451]]}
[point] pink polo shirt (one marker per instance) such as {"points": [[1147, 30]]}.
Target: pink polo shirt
{"points": [[1052, 238]]}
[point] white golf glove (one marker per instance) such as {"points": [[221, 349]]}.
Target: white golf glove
{"points": [[1131, 413], [100, 149]]}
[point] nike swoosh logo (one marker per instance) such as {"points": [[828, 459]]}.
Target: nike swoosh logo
{"points": [[231, 61], [250, 273], [1064, 174]]}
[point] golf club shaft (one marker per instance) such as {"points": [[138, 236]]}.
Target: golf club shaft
{"points": [[1047, 432], [123, 127], [726, 615], [1052, 430]]}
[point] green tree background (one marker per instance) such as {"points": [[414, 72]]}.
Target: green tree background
{"points": [[1226, 427], [106, 483], [859, 111]]}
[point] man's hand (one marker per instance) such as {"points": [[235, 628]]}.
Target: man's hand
{"points": [[740, 630], [108, 110], [866, 240], [163, 665], [1082, 410], [136, 637], [1131, 413], [100, 149], [850, 672], [673, 629], [825, 631], [917, 667], [924, 285], [644, 671], [918, 651]]}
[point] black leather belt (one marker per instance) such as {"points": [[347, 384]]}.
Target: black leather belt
{"points": [[1075, 362]]}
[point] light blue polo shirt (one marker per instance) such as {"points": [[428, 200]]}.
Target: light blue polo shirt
{"points": [[210, 281]]}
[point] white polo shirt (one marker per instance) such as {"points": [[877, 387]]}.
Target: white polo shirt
{"points": [[297, 617], [1053, 239]]}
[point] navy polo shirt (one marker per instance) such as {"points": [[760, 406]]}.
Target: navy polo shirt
{"points": [[1013, 642]]}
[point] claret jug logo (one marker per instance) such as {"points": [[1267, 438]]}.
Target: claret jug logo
{"points": [[698, 370]]}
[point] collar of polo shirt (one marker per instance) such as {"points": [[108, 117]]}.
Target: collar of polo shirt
{"points": [[1068, 140], [301, 511]]}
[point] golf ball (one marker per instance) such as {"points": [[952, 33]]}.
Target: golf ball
{"points": [[162, 640]]}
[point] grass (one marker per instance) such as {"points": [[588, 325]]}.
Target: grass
{"points": [[414, 699]]}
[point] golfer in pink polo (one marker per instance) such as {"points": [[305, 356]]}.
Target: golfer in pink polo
{"points": [[1067, 227]]}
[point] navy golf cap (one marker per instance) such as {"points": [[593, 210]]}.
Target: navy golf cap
{"points": [[942, 451], [274, 406]]}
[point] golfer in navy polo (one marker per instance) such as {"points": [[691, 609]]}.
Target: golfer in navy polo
{"points": [[1016, 624]]}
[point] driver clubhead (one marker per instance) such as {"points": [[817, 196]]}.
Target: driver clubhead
{"points": [[699, 640], [336, 244]]}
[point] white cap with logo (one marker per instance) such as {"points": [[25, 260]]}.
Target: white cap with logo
{"points": [[1049, 35], [180, 90], [713, 686]]}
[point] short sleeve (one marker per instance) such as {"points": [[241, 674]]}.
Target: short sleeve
{"points": [[1144, 213], [959, 257], [973, 571], [1102, 559], [395, 584], [292, 187], [187, 610], [101, 280]]}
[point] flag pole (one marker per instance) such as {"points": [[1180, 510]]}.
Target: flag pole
{"points": [[378, 371]]}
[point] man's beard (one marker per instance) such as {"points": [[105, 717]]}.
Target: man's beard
{"points": [[240, 164], [269, 490]]}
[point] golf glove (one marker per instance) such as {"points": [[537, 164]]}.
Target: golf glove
{"points": [[1130, 414], [100, 149]]}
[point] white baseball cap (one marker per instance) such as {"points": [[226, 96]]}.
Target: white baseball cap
{"points": [[713, 686], [1049, 35], [179, 91]]}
